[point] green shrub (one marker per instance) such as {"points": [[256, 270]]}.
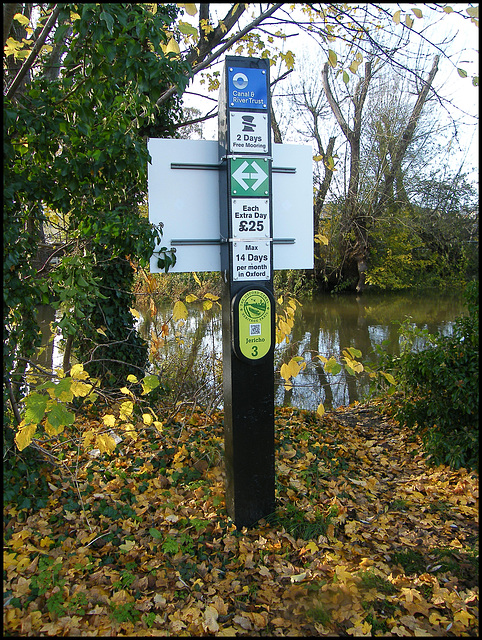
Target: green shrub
{"points": [[442, 385]]}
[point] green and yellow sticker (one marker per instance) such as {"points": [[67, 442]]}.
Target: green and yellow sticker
{"points": [[254, 314]]}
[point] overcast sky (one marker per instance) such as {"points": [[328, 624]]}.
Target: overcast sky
{"points": [[464, 52]]}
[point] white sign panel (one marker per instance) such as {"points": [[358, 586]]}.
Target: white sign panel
{"points": [[250, 218], [186, 201], [248, 132], [251, 261]]}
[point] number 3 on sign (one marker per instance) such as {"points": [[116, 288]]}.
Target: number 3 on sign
{"points": [[254, 351]]}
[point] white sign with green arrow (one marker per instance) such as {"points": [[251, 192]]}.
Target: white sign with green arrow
{"points": [[249, 177]]}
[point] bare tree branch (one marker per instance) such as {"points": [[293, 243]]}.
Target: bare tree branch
{"points": [[407, 136], [202, 65]]}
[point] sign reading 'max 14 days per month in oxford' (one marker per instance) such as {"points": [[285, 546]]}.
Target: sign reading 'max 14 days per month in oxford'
{"points": [[251, 261]]}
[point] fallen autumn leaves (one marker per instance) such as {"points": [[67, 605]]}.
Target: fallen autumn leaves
{"points": [[366, 540]]}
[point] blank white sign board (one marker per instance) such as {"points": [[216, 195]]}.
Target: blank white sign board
{"points": [[186, 202]]}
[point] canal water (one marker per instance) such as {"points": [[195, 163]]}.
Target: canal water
{"points": [[324, 325]]}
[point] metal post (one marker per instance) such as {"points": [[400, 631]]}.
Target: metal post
{"points": [[245, 192]]}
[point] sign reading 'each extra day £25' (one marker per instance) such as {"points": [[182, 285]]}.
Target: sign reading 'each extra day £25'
{"points": [[247, 88]]}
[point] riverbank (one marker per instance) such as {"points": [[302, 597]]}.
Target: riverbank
{"points": [[367, 539]]}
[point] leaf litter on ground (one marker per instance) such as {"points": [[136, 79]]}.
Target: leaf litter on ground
{"points": [[366, 540]]}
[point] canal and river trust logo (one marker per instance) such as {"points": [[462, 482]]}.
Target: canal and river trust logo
{"points": [[255, 305]]}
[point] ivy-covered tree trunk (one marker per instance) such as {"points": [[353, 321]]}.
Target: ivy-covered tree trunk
{"points": [[110, 346]]}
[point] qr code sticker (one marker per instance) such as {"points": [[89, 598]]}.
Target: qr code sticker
{"points": [[254, 329]]}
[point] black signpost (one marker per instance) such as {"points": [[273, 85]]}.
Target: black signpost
{"points": [[209, 194], [245, 193]]}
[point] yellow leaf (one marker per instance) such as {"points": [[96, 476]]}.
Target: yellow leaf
{"points": [[294, 367], [132, 378], [312, 547], [130, 431], [207, 304], [128, 545], [23, 20], [354, 66], [191, 297], [88, 438], [464, 617], [321, 239], [417, 12], [147, 418], [101, 331], [25, 435], [77, 372], [105, 443], [11, 47], [46, 542], [388, 377], [125, 391], [332, 58], [80, 389], [189, 7], [473, 12], [448, 9], [408, 21], [285, 371], [180, 311], [396, 17], [158, 426], [210, 618], [108, 420], [74, 16], [317, 158], [342, 574], [321, 409], [289, 60], [135, 313], [126, 409], [51, 430], [211, 296], [172, 47], [9, 560], [195, 276]]}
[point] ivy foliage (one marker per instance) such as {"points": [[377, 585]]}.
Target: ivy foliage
{"points": [[75, 169]]}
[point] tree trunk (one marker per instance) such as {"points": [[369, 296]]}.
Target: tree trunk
{"points": [[405, 140], [354, 230]]}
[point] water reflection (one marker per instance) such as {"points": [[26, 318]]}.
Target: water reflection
{"points": [[330, 324], [324, 325], [327, 325]]}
